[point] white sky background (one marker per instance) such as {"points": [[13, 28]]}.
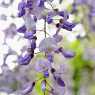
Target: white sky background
{"points": [[13, 43]]}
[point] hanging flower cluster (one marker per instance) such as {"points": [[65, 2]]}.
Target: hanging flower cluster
{"points": [[32, 11]]}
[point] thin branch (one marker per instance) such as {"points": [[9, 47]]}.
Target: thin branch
{"points": [[45, 27]]}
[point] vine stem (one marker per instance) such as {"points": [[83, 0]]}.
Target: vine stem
{"points": [[45, 27]]}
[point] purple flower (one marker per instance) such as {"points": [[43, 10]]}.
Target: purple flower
{"points": [[28, 35], [59, 81], [50, 57], [46, 74], [49, 20], [22, 29], [61, 13], [21, 5], [42, 65], [64, 14], [33, 45], [21, 13], [47, 45], [58, 38], [51, 14], [29, 4], [24, 60], [66, 53], [21, 8], [68, 26]]}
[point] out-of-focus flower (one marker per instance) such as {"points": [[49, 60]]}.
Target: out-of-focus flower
{"points": [[10, 31], [89, 53], [6, 4], [3, 17]]}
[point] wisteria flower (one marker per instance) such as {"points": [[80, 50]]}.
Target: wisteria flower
{"points": [[42, 65], [47, 45]]}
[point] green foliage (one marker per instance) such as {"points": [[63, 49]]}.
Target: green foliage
{"points": [[79, 64]]}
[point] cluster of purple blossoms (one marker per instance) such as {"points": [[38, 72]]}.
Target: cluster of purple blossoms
{"points": [[28, 10], [31, 11]]}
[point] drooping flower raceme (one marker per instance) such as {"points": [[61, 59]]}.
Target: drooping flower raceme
{"points": [[32, 11]]}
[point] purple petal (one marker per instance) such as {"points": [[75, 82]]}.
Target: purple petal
{"points": [[64, 14], [49, 20], [68, 26], [22, 29], [24, 60], [29, 4], [50, 57], [28, 35], [46, 74], [29, 88], [59, 81], [21, 13], [21, 6], [33, 45], [68, 54]]}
